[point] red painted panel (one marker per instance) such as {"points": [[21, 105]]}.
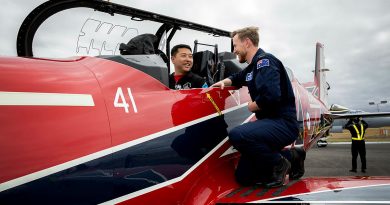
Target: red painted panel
{"points": [[158, 107], [37, 137]]}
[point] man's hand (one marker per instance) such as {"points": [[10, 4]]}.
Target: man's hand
{"points": [[219, 84], [253, 107], [222, 83]]}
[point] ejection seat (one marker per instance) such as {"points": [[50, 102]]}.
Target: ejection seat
{"points": [[230, 64], [214, 67], [141, 53], [203, 65], [142, 44]]}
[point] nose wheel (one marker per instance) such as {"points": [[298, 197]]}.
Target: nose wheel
{"points": [[322, 143]]}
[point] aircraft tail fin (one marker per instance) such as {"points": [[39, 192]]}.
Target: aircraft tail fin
{"points": [[322, 86]]}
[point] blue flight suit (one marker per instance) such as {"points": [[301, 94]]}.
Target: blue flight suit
{"points": [[260, 142]]}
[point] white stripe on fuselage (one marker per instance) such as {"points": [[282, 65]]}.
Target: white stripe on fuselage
{"points": [[51, 170], [45, 99]]}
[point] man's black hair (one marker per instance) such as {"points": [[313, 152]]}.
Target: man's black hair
{"points": [[356, 119], [175, 49]]}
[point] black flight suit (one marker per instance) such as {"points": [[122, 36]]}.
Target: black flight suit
{"points": [[357, 130], [188, 81], [261, 141]]}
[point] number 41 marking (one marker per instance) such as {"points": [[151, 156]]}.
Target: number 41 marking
{"points": [[119, 95]]}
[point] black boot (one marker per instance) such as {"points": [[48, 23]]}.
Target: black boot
{"points": [[298, 156], [279, 173]]}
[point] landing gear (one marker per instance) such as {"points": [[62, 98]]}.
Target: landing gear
{"points": [[322, 142]]}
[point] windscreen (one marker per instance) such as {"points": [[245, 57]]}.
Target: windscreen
{"points": [[85, 32]]}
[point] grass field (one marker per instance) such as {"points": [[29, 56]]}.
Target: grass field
{"points": [[372, 135]]}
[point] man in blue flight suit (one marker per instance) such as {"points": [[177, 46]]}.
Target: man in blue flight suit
{"points": [[260, 142]]}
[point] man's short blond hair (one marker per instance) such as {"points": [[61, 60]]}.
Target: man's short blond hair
{"points": [[248, 32]]}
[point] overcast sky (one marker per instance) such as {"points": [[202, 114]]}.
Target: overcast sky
{"points": [[355, 34]]}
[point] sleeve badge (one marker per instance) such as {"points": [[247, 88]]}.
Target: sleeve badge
{"points": [[262, 63]]}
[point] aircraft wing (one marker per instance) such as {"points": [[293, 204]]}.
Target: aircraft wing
{"points": [[341, 112], [314, 190], [360, 114]]}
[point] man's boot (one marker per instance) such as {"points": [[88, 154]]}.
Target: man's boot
{"points": [[279, 173], [298, 156]]}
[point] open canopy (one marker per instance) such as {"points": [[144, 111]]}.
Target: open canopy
{"points": [[95, 34]]}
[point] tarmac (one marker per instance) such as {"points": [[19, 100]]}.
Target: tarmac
{"points": [[336, 160]]}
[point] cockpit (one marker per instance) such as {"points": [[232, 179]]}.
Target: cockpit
{"points": [[129, 36]]}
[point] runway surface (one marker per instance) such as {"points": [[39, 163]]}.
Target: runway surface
{"points": [[335, 160]]}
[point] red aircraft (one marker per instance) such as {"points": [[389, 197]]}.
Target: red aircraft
{"points": [[108, 130]]}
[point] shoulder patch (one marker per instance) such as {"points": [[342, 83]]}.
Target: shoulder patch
{"points": [[262, 63], [249, 76]]}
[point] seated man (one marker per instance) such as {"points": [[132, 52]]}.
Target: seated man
{"points": [[183, 78]]}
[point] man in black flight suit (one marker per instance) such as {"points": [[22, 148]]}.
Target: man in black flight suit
{"points": [[357, 128], [183, 78]]}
